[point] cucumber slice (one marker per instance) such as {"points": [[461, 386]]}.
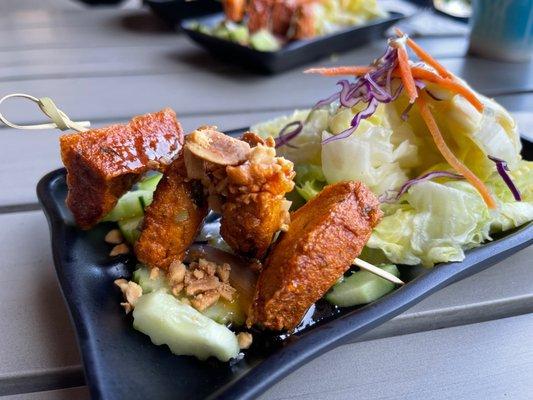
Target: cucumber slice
{"points": [[263, 40], [168, 321], [141, 276], [225, 312], [362, 287], [130, 228], [130, 205], [150, 182]]}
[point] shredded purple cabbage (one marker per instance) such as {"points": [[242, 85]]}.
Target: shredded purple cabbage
{"points": [[286, 134], [392, 196], [502, 168]]}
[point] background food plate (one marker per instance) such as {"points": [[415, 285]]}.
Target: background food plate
{"points": [[121, 363], [173, 11], [291, 55]]}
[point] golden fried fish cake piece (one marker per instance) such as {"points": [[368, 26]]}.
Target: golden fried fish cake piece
{"points": [[245, 182], [255, 208], [102, 164], [323, 239], [172, 220]]}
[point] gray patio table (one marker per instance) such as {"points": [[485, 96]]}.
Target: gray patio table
{"points": [[472, 340]]}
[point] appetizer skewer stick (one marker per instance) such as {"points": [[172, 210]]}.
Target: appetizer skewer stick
{"points": [[59, 119], [377, 271]]}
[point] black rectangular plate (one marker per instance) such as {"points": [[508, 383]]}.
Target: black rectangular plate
{"points": [[121, 363], [294, 53], [173, 11]]}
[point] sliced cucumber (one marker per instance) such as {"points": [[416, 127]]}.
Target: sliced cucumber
{"points": [[141, 276], [225, 312], [263, 40], [150, 182], [168, 321], [130, 205], [362, 287], [130, 228]]}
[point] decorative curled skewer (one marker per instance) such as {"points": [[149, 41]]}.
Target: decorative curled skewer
{"points": [[59, 119], [378, 271]]}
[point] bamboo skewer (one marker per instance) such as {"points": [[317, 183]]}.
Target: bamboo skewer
{"points": [[59, 119], [377, 271]]}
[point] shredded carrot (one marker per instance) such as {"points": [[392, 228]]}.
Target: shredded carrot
{"points": [[452, 85], [425, 56], [356, 70], [406, 75], [443, 148]]}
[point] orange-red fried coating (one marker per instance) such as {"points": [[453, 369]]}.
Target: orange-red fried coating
{"points": [[283, 15], [234, 9], [103, 164], [173, 220], [245, 182], [255, 207], [304, 21], [259, 14], [324, 237]]}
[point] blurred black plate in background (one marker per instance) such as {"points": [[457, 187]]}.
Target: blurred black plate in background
{"points": [[292, 54], [173, 11]]}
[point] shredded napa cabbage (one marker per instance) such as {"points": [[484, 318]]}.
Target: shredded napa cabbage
{"points": [[437, 220]]}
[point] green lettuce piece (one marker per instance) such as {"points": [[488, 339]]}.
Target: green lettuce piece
{"points": [[436, 224], [307, 145], [310, 189], [368, 155], [510, 213], [310, 180]]}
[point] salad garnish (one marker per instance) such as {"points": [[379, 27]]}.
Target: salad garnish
{"points": [[286, 134], [393, 196], [375, 86], [502, 168]]}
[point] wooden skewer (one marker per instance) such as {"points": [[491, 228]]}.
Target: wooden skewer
{"points": [[378, 271]]}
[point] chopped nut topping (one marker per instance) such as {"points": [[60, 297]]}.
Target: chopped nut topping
{"points": [[226, 291], [198, 273], [210, 145], [114, 236], [154, 273], [208, 267], [245, 340], [176, 289], [176, 272], [119, 249], [202, 284], [223, 272], [205, 300], [131, 292]]}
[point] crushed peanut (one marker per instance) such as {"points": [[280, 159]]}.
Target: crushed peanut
{"points": [[223, 272], [202, 284], [114, 236], [154, 273], [176, 272], [245, 340], [131, 292], [119, 249], [205, 300]]}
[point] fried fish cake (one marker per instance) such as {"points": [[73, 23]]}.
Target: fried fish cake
{"points": [[324, 237], [246, 183], [172, 221], [102, 164], [255, 208]]}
